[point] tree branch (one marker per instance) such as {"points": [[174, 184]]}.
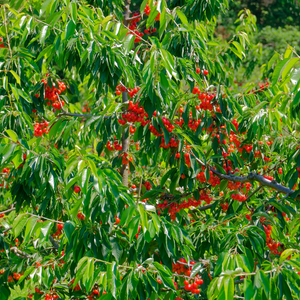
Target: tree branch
{"points": [[251, 177], [53, 242], [64, 113], [19, 253], [6, 211]]}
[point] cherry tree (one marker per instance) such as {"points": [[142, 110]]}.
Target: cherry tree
{"points": [[133, 165]]}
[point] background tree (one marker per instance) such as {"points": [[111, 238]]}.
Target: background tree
{"points": [[95, 91]]}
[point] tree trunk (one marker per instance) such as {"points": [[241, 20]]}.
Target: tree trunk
{"points": [[125, 141]]}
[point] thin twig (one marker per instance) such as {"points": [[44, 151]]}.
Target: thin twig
{"points": [[41, 217], [6, 211]]}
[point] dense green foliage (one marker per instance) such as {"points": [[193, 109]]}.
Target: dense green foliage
{"points": [[136, 166]]}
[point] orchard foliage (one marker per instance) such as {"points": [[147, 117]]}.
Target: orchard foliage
{"points": [[132, 164]]}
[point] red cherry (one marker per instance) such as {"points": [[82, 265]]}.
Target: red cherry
{"points": [[77, 189], [205, 72], [198, 70]]}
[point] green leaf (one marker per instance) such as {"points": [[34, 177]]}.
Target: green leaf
{"points": [[129, 42], [182, 17], [286, 253], [278, 70], [265, 281], [17, 77], [111, 278], [196, 269], [12, 135], [80, 269], [248, 289], [43, 34], [70, 29], [229, 287], [19, 224], [30, 226], [289, 66], [69, 228], [166, 275], [74, 12], [296, 99]]}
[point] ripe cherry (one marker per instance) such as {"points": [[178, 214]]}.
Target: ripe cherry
{"points": [[77, 189], [199, 281], [205, 72], [188, 287], [198, 70]]}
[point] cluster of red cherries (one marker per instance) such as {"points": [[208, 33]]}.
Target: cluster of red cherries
{"points": [[149, 30], [233, 186], [270, 243], [134, 114], [51, 94], [126, 159], [95, 293], [238, 197], [147, 185], [193, 287], [225, 206], [75, 288], [116, 146], [41, 128], [1, 41], [147, 11], [172, 143], [53, 296], [85, 107], [81, 216], [174, 208], [133, 22], [131, 92], [213, 180], [59, 230], [6, 170]]}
